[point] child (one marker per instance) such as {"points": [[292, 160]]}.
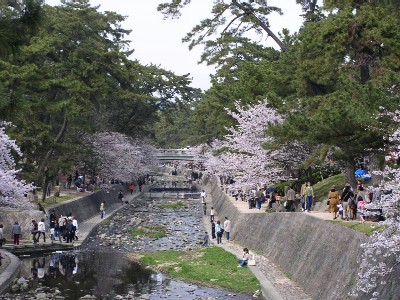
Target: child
{"points": [[52, 234], [341, 210], [361, 209]]}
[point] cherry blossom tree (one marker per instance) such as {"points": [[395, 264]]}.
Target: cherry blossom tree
{"points": [[122, 157], [12, 189], [381, 253], [248, 153]]}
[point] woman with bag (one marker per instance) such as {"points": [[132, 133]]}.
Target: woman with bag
{"points": [[333, 198], [219, 231]]}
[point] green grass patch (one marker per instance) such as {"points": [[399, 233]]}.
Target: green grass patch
{"points": [[58, 200], [322, 188], [154, 232], [106, 222], [288, 275], [172, 205], [210, 266], [365, 228]]}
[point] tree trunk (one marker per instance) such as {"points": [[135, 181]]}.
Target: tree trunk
{"points": [[375, 164], [50, 152], [266, 28], [349, 176]]}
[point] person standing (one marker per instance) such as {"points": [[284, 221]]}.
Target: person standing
{"points": [[1, 235], [227, 228], [212, 214], [131, 188], [34, 231], [213, 230], [259, 196], [218, 229], [309, 196], [303, 197], [16, 232], [203, 196], [70, 231], [102, 209], [121, 196], [347, 195], [290, 198], [42, 230], [75, 224]]}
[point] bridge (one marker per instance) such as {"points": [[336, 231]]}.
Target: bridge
{"points": [[177, 154]]}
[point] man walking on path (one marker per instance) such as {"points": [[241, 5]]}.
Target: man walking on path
{"points": [[203, 196], [16, 232], [227, 228], [102, 209]]}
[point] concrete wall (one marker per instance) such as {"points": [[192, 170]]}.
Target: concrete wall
{"points": [[320, 256]]}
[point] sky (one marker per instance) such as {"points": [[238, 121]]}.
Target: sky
{"points": [[158, 41]]}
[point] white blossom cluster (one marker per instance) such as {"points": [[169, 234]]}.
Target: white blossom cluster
{"points": [[12, 190], [122, 157], [241, 154], [382, 252]]}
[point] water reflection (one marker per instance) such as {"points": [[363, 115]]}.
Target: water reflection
{"points": [[107, 274], [77, 274]]}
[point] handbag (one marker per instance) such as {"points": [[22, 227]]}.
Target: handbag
{"points": [[251, 262]]}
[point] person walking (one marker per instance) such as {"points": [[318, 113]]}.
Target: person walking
{"points": [[42, 230], [212, 214], [333, 198], [131, 188], [219, 231], [102, 209], [227, 228], [203, 196], [309, 195], [16, 232]]}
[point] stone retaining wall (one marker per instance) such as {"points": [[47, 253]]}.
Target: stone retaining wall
{"points": [[318, 255]]}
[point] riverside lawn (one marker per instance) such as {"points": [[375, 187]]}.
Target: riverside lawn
{"points": [[210, 266]]}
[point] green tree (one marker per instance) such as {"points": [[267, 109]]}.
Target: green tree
{"points": [[74, 78]]}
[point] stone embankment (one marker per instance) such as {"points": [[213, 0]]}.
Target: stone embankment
{"points": [[321, 257]]}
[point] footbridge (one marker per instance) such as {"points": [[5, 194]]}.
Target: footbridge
{"points": [[178, 154]]}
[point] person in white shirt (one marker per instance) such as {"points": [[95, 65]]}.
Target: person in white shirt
{"points": [[42, 230], [75, 224], [227, 228], [203, 196]]}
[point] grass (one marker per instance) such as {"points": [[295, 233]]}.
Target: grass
{"points": [[58, 200], [172, 205], [366, 228], [210, 266], [322, 188], [154, 232]]}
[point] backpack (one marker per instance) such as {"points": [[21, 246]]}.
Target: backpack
{"points": [[352, 203]]}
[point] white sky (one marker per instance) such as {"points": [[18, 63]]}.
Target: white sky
{"points": [[158, 41]]}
